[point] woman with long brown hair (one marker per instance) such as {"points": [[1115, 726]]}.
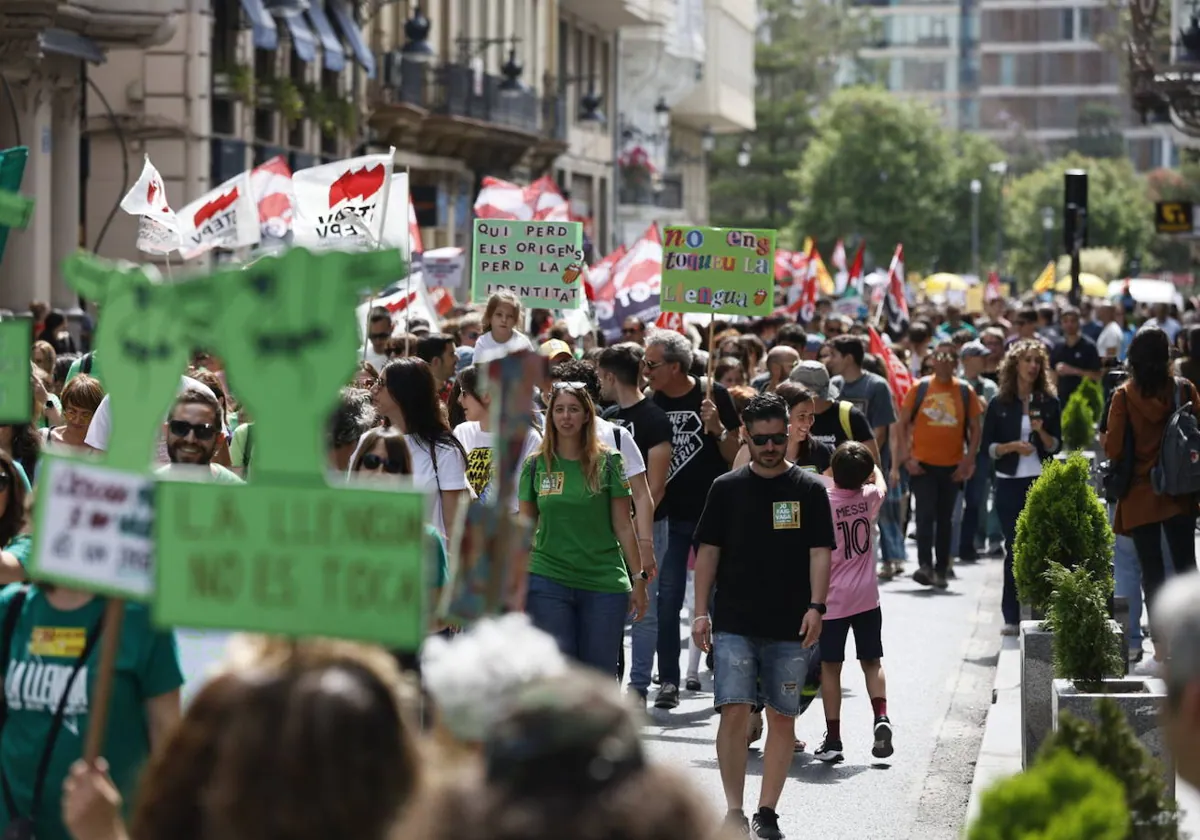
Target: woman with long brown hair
{"points": [[578, 587], [1022, 428]]}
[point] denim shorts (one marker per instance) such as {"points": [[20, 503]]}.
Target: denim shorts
{"points": [[747, 669]]}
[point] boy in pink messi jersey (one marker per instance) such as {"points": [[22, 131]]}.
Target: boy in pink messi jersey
{"points": [[857, 492]]}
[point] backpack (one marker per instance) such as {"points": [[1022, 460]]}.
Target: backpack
{"points": [[1177, 472], [844, 409], [923, 389]]}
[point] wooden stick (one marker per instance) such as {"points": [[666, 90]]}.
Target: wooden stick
{"points": [[114, 616], [712, 357]]}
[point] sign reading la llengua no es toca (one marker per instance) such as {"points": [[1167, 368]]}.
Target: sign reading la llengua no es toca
{"points": [[718, 270], [541, 262]]}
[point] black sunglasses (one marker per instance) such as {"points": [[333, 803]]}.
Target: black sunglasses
{"points": [[371, 461], [779, 439], [202, 431], [381, 336]]}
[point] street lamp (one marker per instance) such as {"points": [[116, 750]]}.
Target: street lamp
{"points": [[1048, 230], [511, 71], [999, 169], [976, 189], [416, 38], [743, 155], [662, 114], [708, 140]]}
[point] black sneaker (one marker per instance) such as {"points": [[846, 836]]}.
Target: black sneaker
{"points": [[667, 697], [939, 581], [830, 751], [766, 825], [883, 737], [923, 576], [692, 684], [736, 824]]}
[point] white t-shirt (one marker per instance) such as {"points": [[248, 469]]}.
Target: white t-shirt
{"points": [[451, 473], [101, 425], [376, 360], [630, 454], [487, 349], [478, 444], [1110, 340]]}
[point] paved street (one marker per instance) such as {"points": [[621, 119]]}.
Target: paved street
{"points": [[940, 651]]}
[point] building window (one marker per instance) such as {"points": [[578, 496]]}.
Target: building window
{"points": [[1068, 24], [1088, 18], [1008, 70]]}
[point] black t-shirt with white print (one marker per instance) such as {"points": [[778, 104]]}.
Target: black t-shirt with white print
{"points": [[649, 426], [696, 460]]}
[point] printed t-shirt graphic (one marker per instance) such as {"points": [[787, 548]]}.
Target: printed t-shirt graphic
{"points": [[938, 432], [696, 459]]}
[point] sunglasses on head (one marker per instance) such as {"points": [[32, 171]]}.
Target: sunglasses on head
{"points": [[574, 386], [779, 439], [202, 431], [371, 461]]}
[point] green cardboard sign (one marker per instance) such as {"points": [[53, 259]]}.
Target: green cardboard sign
{"points": [[12, 169], [718, 270], [15, 210], [16, 390], [542, 262], [293, 561]]}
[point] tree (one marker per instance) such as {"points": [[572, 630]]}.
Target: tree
{"points": [[802, 47], [972, 155], [1120, 215], [880, 167]]}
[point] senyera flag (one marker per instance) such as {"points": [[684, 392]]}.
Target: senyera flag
{"points": [[633, 287], [226, 217], [271, 182], [346, 205], [158, 231]]}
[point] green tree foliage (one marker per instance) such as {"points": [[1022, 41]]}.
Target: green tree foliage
{"points": [[1060, 798], [1098, 131], [1078, 423], [1094, 394], [971, 155], [801, 47], [1062, 522], [1085, 648], [1112, 745], [1120, 215]]}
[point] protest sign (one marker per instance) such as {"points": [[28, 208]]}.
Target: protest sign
{"points": [[16, 392], [295, 561], [15, 210], [444, 267], [541, 262], [12, 169], [718, 270]]}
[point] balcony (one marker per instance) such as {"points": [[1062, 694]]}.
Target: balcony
{"points": [[611, 15], [723, 97], [44, 26], [668, 196]]}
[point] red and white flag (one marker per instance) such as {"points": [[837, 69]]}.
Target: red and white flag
{"points": [[783, 267], [899, 377], [838, 260], [993, 291], [414, 230], [895, 301], [271, 182], [547, 201], [158, 231], [808, 290], [411, 303], [226, 217], [343, 206], [397, 224], [854, 276], [500, 199], [633, 289], [671, 321]]}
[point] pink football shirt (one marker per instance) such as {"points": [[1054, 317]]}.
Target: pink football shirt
{"points": [[853, 588]]}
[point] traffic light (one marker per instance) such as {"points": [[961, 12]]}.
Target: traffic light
{"points": [[1075, 209]]}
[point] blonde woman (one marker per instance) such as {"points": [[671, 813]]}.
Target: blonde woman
{"points": [[579, 587]]}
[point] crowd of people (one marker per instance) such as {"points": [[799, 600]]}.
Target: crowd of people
{"points": [[758, 483]]}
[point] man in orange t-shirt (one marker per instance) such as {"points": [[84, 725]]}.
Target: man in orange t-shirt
{"points": [[939, 438]]}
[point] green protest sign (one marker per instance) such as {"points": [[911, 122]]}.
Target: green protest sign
{"points": [[15, 210], [541, 262], [718, 270], [294, 561], [12, 169], [16, 392]]}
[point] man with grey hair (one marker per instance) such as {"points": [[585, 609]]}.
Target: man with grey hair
{"points": [[353, 417], [704, 443], [1176, 626]]}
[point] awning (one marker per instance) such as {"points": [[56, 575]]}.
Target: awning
{"points": [[353, 35], [335, 58], [303, 40], [266, 36], [70, 44]]}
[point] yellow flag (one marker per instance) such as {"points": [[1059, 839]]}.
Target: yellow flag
{"points": [[1045, 281], [824, 278]]}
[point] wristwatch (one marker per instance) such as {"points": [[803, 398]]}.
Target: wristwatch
{"points": [[820, 608], [49, 405], [644, 575]]}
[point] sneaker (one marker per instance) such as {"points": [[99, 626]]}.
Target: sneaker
{"points": [[692, 684], [766, 824], [830, 751], [923, 576], [756, 728], [636, 696], [1147, 668], [886, 570], [1136, 655], [736, 824], [995, 551], [667, 696], [898, 567], [939, 580], [1010, 630], [883, 737]]}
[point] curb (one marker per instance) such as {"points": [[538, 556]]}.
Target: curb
{"points": [[1000, 751]]}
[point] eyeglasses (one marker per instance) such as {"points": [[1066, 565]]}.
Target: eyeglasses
{"points": [[649, 365], [380, 336], [779, 439], [202, 431], [78, 415], [574, 386], [944, 357], [371, 461]]}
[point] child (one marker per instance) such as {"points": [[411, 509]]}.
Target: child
{"points": [[857, 492], [500, 319]]}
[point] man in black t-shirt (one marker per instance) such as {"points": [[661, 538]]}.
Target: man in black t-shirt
{"points": [[765, 537], [1074, 357], [704, 443], [620, 375]]}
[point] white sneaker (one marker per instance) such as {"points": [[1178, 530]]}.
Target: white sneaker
{"points": [[1148, 667]]}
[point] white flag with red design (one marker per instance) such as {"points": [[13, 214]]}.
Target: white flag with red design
{"points": [[838, 260], [158, 230], [895, 302], [414, 230], [344, 205], [807, 291], [671, 321], [271, 182], [226, 217], [409, 304], [994, 291], [541, 200], [548, 202], [633, 287]]}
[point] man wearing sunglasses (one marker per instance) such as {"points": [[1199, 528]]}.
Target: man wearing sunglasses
{"points": [[193, 428], [379, 332]]}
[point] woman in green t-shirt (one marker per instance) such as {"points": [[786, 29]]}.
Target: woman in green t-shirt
{"points": [[14, 539], [585, 552]]}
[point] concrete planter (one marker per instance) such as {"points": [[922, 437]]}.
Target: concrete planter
{"points": [[1140, 699], [1037, 678]]}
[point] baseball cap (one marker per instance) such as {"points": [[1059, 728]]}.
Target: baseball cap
{"points": [[554, 348], [464, 357], [973, 349], [813, 343], [815, 377]]}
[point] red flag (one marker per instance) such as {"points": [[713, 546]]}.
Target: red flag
{"points": [[856, 269], [671, 321], [993, 290], [898, 375], [895, 302]]}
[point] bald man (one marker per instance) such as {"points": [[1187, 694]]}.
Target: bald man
{"points": [[1175, 621], [780, 361]]}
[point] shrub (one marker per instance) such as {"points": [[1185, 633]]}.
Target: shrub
{"points": [[1078, 422], [1114, 747], [1094, 395], [1085, 648], [1062, 522], [1060, 798]]}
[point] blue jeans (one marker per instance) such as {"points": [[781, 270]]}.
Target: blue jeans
{"points": [[643, 637], [588, 626], [1010, 500], [1127, 578], [747, 670], [972, 501], [891, 522], [672, 587]]}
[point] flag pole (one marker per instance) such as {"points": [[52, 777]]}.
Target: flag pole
{"points": [[408, 269], [712, 357]]}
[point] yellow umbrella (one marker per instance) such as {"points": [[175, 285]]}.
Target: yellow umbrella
{"points": [[936, 284], [1090, 284]]}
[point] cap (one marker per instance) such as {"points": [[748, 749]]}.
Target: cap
{"points": [[973, 349], [464, 358], [813, 343], [554, 348], [815, 377]]}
